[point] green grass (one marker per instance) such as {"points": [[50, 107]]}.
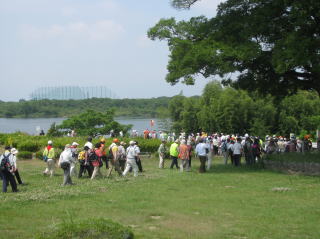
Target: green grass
{"points": [[225, 203]]}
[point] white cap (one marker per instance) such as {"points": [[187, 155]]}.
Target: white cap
{"points": [[75, 144], [14, 151], [50, 142], [132, 142], [246, 135]]}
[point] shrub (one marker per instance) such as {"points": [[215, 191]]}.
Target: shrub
{"points": [[25, 155], [90, 229], [29, 145], [308, 157]]}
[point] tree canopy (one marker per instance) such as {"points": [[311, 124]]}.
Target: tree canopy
{"points": [[228, 110], [93, 123], [272, 46]]}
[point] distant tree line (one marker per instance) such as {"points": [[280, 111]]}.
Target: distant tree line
{"points": [[66, 108], [228, 110]]}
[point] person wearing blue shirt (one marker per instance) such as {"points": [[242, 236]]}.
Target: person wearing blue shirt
{"points": [[202, 151]]}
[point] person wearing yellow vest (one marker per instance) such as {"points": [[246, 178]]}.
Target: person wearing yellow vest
{"points": [[48, 157], [174, 152]]}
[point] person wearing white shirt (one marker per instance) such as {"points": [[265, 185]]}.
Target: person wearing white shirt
{"points": [[65, 161], [14, 152], [237, 151], [89, 143], [132, 152], [202, 150]]}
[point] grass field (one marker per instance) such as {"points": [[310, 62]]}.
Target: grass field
{"points": [[227, 202]]}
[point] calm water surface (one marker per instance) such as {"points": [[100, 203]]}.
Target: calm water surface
{"points": [[32, 126]]}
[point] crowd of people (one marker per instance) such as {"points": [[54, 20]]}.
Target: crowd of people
{"points": [[117, 157]]}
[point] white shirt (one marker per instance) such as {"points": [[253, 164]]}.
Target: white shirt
{"points": [[132, 152], [89, 145], [66, 156], [237, 147], [201, 149]]}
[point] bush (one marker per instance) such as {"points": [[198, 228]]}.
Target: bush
{"points": [[25, 155], [90, 229], [309, 157], [30, 145]]}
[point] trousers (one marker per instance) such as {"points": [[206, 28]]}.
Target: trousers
{"points": [[66, 174], [131, 163], [203, 160], [114, 165], [161, 161], [6, 178], [174, 162], [16, 173], [184, 165], [96, 171], [83, 168], [50, 167]]}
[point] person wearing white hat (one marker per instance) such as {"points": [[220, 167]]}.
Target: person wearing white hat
{"points": [[49, 158], [73, 164], [14, 152], [131, 153]]}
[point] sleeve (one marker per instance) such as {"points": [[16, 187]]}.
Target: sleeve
{"points": [[14, 161]]}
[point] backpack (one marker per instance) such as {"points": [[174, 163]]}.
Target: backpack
{"points": [[5, 165], [92, 156], [82, 156]]}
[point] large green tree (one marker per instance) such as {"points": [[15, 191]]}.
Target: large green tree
{"points": [[93, 123], [272, 46]]}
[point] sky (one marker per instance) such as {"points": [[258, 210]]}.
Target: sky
{"points": [[89, 43]]}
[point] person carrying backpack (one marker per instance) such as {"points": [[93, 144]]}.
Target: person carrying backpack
{"points": [[48, 157], [114, 161], [7, 170], [84, 161]]}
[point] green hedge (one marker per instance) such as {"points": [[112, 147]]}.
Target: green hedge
{"points": [[89, 229], [309, 157], [36, 144], [25, 155]]}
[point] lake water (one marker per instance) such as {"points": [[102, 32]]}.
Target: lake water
{"points": [[30, 126]]}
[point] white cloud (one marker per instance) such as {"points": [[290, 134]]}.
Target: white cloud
{"points": [[104, 30]]}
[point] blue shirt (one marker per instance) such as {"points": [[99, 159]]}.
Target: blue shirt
{"points": [[201, 149]]}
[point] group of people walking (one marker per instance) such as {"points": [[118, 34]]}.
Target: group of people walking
{"points": [[92, 158], [117, 157], [231, 147]]}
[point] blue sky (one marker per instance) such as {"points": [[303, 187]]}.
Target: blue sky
{"points": [[88, 43]]}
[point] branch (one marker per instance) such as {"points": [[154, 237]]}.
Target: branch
{"points": [[183, 4]]}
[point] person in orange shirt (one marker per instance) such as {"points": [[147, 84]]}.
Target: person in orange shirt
{"points": [[184, 156]]}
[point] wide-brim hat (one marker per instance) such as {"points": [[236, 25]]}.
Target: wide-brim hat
{"points": [[14, 151]]}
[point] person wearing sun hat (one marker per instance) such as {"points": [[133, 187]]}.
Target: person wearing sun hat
{"points": [[131, 153], [14, 152], [113, 148], [122, 155], [48, 157]]}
